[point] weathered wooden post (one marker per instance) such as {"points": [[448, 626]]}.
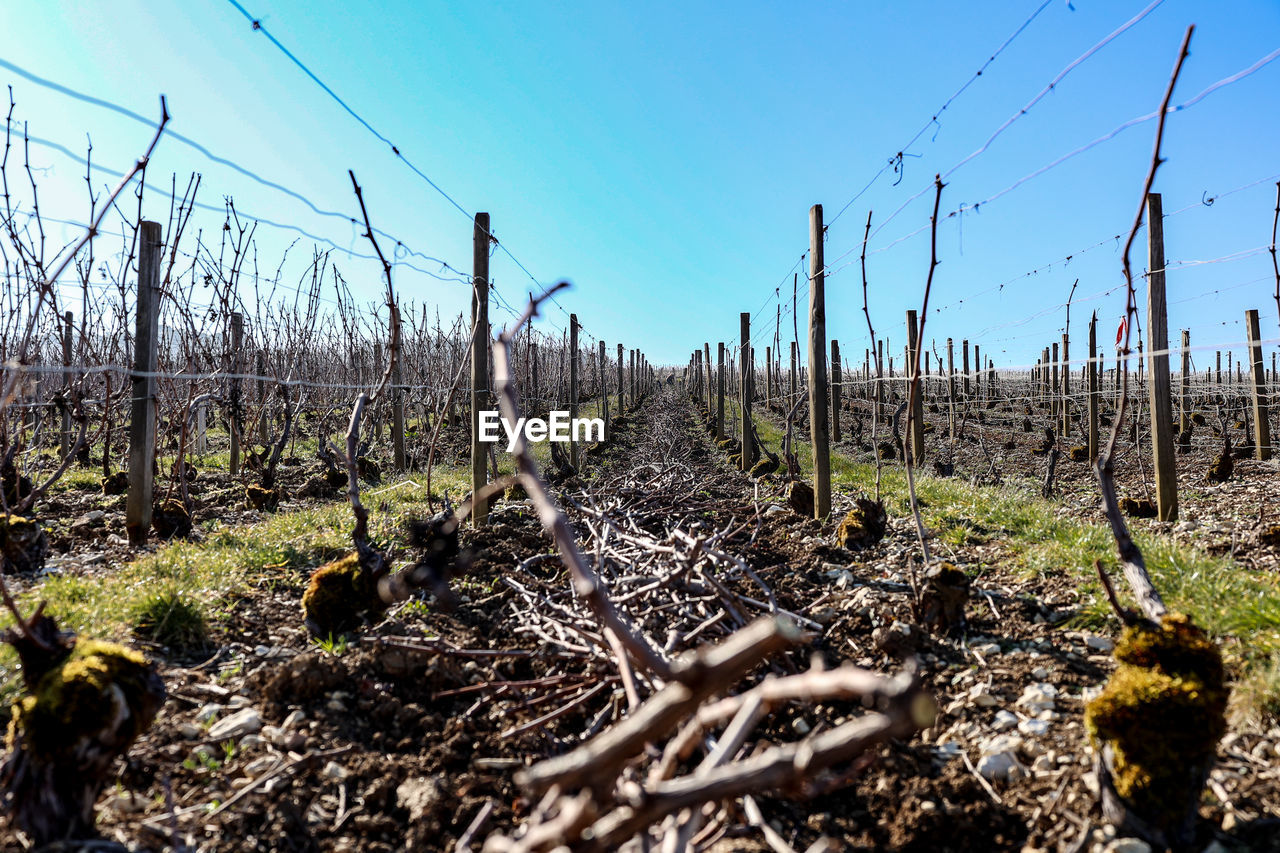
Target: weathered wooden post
{"points": [[835, 390], [719, 410], [706, 354], [573, 386], [795, 369], [622, 388], [1163, 462], [977, 369], [1094, 366], [818, 392], [768, 377], [917, 408], [233, 425], [604, 391], [744, 389], [964, 364], [142, 413], [951, 389], [1184, 421], [1261, 412], [397, 404], [1066, 385], [479, 362]]}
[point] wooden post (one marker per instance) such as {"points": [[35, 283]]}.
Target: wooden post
{"points": [[719, 391], [795, 366], [64, 435], [233, 427], [951, 389], [1066, 385], [622, 388], [744, 390], [917, 409], [573, 386], [964, 365], [977, 369], [142, 413], [1093, 368], [397, 406], [604, 390], [818, 393], [835, 390], [479, 361], [1185, 409], [1054, 387], [1261, 412], [706, 354], [1163, 463], [768, 377]]}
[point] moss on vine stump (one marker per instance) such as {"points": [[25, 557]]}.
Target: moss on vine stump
{"points": [[116, 484], [767, 465], [1138, 508], [863, 526], [339, 597], [82, 711], [262, 498], [1156, 727], [800, 498], [169, 518], [943, 598], [23, 544]]}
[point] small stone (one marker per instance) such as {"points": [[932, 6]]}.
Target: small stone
{"points": [[1035, 728], [980, 695], [1040, 673], [800, 726], [928, 806], [249, 742], [948, 750], [205, 713], [987, 649], [1090, 780], [774, 510], [239, 702], [1229, 821], [999, 767], [189, 731], [336, 705], [1004, 721], [242, 722], [334, 770], [1037, 697], [1127, 845], [294, 720], [1100, 644]]}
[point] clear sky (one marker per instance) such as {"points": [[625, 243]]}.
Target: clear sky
{"points": [[663, 156]]}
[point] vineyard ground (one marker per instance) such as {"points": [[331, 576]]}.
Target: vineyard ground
{"points": [[400, 749]]}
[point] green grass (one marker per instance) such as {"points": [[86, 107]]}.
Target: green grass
{"points": [[1240, 608], [206, 575]]}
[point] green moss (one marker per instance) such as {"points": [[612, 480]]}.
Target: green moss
{"points": [[261, 498], [1171, 673], [864, 525], [82, 696], [339, 596], [23, 544], [766, 465]]}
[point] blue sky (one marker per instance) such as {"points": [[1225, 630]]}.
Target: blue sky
{"points": [[664, 156]]}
